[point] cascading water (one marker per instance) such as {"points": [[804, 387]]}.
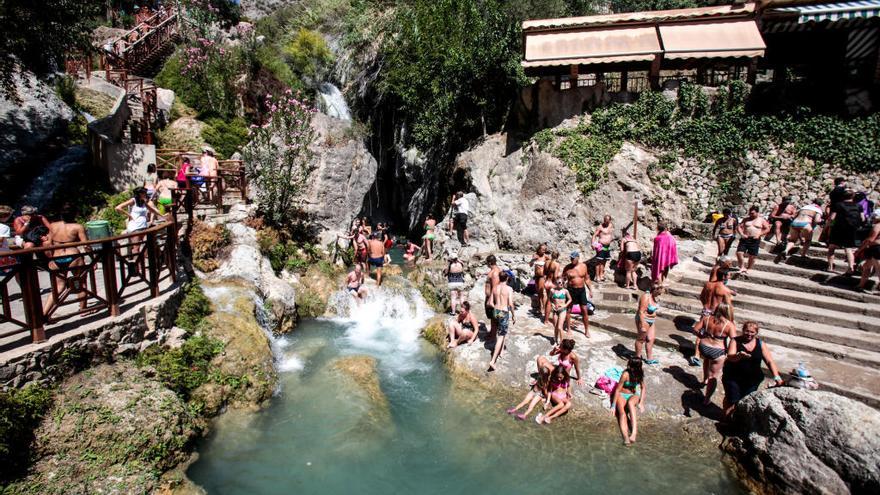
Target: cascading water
{"points": [[401, 425], [332, 102], [55, 174]]}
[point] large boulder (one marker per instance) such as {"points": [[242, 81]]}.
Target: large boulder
{"points": [[799, 441], [344, 171], [525, 197]]}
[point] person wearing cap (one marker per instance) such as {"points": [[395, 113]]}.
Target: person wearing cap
{"points": [[870, 252], [781, 217], [578, 283], [28, 221], [455, 279]]}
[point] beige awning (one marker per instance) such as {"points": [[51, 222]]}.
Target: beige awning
{"points": [[712, 40], [546, 49]]}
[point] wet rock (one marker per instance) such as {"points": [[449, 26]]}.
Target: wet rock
{"points": [[800, 441], [363, 376], [175, 337], [28, 125]]}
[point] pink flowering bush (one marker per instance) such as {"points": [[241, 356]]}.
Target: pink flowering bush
{"points": [[278, 158]]}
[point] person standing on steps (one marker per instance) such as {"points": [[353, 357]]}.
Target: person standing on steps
{"points": [[716, 292], [578, 283], [846, 218], [870, 251], [455, 279], [742, 374], [602, 242], [807, 218], [502, 302], [463, 327], [632, 256], [354, 283], [646, 315], [492, 281], [713, 334], [461, 209], [724, 231], [539, 260], [664, 256], [376, 247], [834, 196], [751, 230], [781, 217]]}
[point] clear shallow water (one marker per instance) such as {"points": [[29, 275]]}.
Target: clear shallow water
{"points": [[324, 434]]}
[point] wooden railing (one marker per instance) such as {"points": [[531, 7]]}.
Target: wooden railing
{"points": [[231, 177], [139, 44], [147, 96], [96, 276]]}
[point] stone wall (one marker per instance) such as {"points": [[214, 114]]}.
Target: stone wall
{"points": [[102, 341]]}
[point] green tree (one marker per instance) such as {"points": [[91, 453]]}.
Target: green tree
{"points": [[640, 5], [451, 68], [308, 54], [35, 36]]}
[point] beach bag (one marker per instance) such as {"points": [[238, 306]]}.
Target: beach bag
{"points": [[606, 384], [513, 281]]}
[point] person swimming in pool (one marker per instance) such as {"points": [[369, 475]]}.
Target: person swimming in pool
{"points": [[628, 397]]}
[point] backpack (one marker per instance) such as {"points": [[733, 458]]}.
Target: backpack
{"points": [[513, 281], [851, 216]]}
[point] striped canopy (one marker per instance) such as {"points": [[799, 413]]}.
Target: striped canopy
{"points": [[835, 11]]}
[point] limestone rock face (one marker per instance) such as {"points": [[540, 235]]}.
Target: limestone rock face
{"points": [[344, 171], [800, 441], [526, 197], [26, 127]]}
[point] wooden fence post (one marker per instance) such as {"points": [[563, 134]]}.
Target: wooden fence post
{"points": [[152, 260], [30, 294], [108, 265]]}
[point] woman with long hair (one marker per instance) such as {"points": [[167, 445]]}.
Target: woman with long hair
{"points": [[645, 317], [560, 395], [713, 334], [629, 395]]}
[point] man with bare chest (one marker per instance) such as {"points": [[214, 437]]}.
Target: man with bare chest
{"points": [[376, 247], [502, 302], [751, 230], [492, 281], [602, 239], [578, 283]]}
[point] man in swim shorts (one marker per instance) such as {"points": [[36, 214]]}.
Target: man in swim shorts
{"points": [[578, 283], [751, 230], [492, 281], [781, 217], [376, 248], [502, 302], [602, 241]]}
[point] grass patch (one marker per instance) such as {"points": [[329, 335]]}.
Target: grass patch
{"points": [[194, 309], [185, 369], [95, 103], [20, 413]]}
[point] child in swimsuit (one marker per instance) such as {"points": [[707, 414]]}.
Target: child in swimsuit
{"points": [[539, 391], [561, 301], [628, 395], [560, 395]]}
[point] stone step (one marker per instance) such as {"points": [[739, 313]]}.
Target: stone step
{"points": [[844, 378], [815, 252], [814, 274], [833, 286], [858, 316], [815, 342]]}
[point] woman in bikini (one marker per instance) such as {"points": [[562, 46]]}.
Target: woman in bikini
{"points": [[713, 333], [645, 316], [870, 252], [802, 226], [724, 231], [463, 327], [565, 358], [560, 301], [428, 238], [560, 395], [539, 260], [538, 392], [632, 256], [629, 394], [455, 280], [552, 272], [412, 250]]}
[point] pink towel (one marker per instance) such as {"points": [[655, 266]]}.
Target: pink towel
{"points": [[665, 254]]}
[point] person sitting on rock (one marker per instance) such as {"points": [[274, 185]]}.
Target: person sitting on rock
{"points": [[463, 327], [354, 283], [742, 374], [560, 396], [539, 390], [565, 357], [412, 250], [26, 222], [628, 395]]}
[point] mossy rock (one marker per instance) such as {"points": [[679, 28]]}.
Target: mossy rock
{"points": [[435, 331]]}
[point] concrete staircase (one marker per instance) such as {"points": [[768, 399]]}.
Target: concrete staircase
{"points": [[806, 315]]}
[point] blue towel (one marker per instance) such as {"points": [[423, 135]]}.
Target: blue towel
{"points": [[614, 373]]}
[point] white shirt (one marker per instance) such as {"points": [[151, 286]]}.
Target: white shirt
{"points": [[5, 234], [461, 205], [811, 207]]}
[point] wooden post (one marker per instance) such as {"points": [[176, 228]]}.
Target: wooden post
{"points": [[152, 261], [30, 295], [624, 80], [752, 73], [108, 265], [219, 191], [654, 75], [171, 249]]}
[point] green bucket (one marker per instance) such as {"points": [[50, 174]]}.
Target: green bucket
{"points": [[97, 229]]}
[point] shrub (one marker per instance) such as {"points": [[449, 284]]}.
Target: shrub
{"points": [[20, 413], [226, 137], [186, 368], [118, 221], [309, 304], [309, 54], [206, 242], [194, 308]]}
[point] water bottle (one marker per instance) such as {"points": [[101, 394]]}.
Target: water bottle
{"points": [[802, 371]]}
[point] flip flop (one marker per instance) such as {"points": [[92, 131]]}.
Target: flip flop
{"points": [[520, 417], [539, 418], [652, 361], [511, 410]]}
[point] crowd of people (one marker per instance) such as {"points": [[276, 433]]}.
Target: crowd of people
{"points": [[731, 354]]}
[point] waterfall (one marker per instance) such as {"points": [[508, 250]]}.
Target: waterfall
{"points": [[54, 176], [332, 102]]}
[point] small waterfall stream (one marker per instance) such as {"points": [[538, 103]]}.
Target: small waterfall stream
{"points": [[332, 102]]}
